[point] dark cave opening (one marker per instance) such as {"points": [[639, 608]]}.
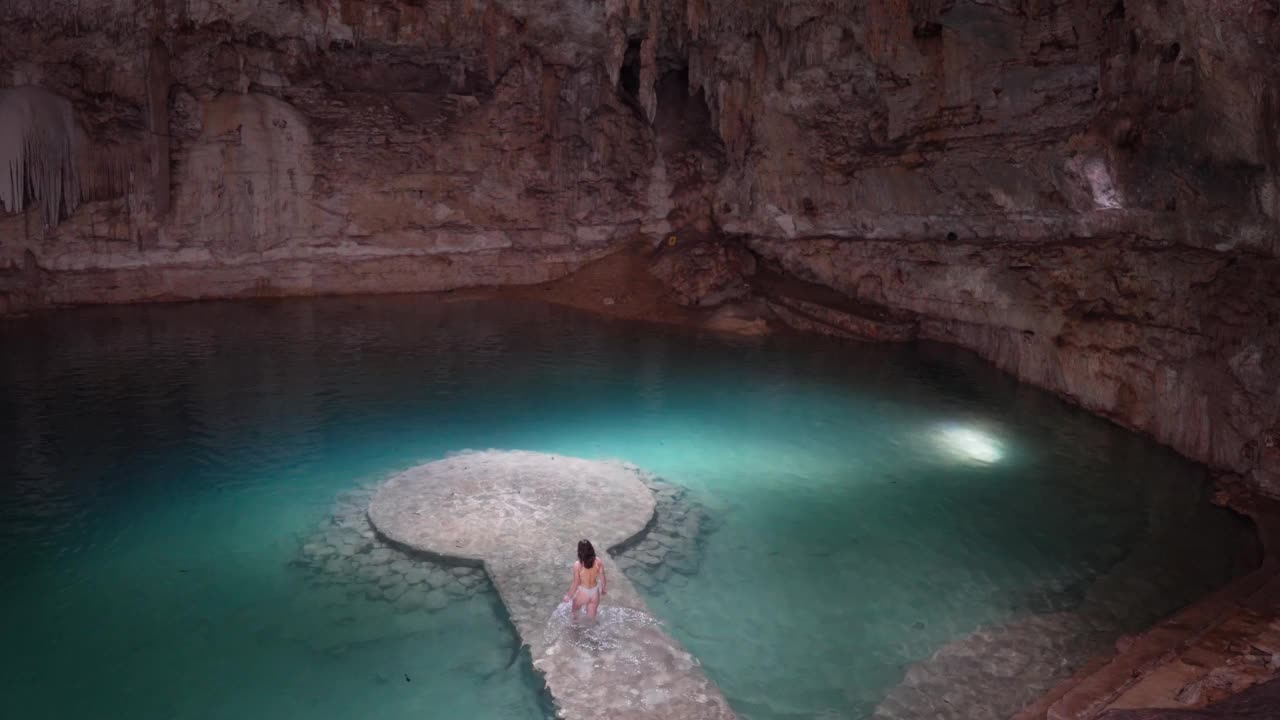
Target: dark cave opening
{"points": [[629, 76], [683, 120]]}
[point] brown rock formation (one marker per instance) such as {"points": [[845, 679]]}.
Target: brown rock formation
{"points": [[1258, 703], [1086, 192], [331, 147], [704, 274]]}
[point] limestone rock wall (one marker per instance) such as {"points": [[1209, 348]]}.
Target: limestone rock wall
{"points": [[320, 147], [1086, 192], [1083, 192]]}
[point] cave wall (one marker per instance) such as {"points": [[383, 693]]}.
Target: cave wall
{"points": [[1086, 192], [320, 147]]}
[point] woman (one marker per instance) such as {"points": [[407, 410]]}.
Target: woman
{"points": [[589, 582]]}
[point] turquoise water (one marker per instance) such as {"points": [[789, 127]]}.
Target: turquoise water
{"points": [[161, 466]]}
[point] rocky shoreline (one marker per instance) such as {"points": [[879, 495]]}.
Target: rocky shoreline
{"points": [[1196, 661]]}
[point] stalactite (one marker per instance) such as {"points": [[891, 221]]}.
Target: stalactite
{"points": [[550, 101], [649, 64], [615, 24], [695, 70], [760, 61], [46, 159], [158, 112], [617, 34], [106, 170], [38, 152], [695, 17], [490, 24], [120, 19]]}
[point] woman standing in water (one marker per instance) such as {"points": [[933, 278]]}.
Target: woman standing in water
{"points": [[588, 581]]}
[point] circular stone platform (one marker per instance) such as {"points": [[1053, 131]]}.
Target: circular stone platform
{"points": [[521, 514], [493, 505]]}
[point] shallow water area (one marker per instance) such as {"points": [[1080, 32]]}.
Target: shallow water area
{"points": [[605, 631], [842, 521]]}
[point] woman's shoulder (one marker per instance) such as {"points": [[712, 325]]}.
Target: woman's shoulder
{"points": [[577, 564]]}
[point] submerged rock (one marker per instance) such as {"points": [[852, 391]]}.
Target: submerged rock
{"points": [[615, 667], [371, 571], [1259, 702], [435, 600]]}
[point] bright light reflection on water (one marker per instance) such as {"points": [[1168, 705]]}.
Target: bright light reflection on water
{"points": [[161, 467], [970, 443]]}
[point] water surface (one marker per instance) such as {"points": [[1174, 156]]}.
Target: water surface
{"points": [[161, 466]]}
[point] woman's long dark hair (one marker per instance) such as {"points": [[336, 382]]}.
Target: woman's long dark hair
{"points": [[586, 554]]}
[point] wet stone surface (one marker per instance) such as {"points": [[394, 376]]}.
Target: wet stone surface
{"points": [[344, 553], [520, 515]]}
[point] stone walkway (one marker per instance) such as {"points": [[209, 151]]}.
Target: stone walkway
{"points": [[520, 515]]}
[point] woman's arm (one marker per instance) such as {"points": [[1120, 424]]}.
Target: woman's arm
{"points": [[604, 582], [573, 586]]}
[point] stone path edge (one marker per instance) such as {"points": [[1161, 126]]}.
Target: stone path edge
{"points": [[411, 551], [460, 560]]}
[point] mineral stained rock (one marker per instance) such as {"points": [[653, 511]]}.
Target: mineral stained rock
{"points": [[1257, 703], [1085, 192], [705, 274]]}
